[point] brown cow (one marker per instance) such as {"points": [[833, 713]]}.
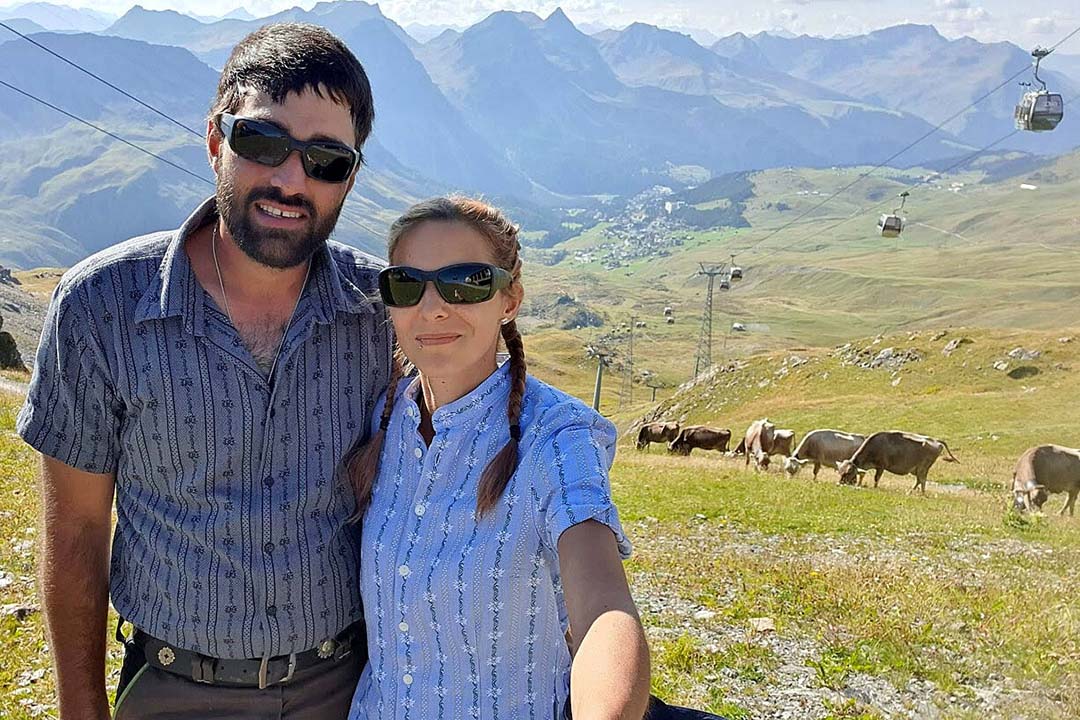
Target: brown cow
{"points": [[1046, 469], [823, 447], [699, 436], [656, 432], [900, 453], [757, 442]]}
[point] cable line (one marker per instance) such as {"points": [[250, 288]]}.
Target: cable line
{"points": [[100, 129], [151, 153], [897, 154], [123, 92]]}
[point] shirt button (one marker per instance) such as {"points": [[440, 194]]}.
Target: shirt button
{"points": [[419, 510], [418, 453], [407, 679], [268, 481], [272, 610], [403, 627], [403, 571], [272, 412], [268, 548]]}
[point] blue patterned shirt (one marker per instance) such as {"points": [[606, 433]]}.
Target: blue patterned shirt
{"points": [[465, 617], [231, 535]]}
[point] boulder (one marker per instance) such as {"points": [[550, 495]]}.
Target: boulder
{"points": [[10, 359]]}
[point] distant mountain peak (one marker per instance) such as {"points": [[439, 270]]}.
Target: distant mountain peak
{"points": [[239, 13], [325, 7], [557, 16], [908, 31]]}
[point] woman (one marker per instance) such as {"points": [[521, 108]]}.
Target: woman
{"points": [[490, 538]]}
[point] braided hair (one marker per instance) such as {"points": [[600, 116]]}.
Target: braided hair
{"points": [[362, 465]]}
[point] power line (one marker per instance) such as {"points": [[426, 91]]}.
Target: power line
{"points": [[897, 154], [922, 181], [151, 153], [113, 135], [145, 104], [100, 79]]}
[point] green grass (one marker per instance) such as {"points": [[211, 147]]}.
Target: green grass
{"points": [[951, 589], [989, 256], [939, 588], [26, 681]]}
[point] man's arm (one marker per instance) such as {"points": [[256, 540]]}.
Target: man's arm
{"points": [[77, 520]]}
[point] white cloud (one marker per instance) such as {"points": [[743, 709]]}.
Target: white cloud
{"points": [[1041, 26], [952, 4]]}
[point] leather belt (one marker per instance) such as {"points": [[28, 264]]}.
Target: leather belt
{"points": [[256, 672]]}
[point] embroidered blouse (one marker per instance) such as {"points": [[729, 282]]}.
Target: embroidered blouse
{"points": [[466, 616]]}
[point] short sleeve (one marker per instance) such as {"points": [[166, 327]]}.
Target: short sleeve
{"points": [[71, 410], [571, 474]]}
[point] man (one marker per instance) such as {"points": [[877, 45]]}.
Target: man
{"points": [[214, 377]]}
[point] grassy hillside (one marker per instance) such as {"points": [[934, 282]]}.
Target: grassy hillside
{"points": [[988, 415], [764, 595], [977, 252]]}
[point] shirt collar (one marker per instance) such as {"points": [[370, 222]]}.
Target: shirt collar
{"points": [[469, 407], [175, 292], [334, 292]]}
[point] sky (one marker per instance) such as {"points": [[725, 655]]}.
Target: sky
{"points": [[1025, 23]]}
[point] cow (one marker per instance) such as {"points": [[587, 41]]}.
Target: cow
{"points": [[656, 432], [757, 443], [783, 441], [823, 447], [1046, 469], [699, 436], [898, 452]]}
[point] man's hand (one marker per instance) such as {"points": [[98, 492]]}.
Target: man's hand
{"points": [[77, 522]]}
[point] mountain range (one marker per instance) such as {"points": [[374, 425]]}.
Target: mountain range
{"points": [[528, 110]]}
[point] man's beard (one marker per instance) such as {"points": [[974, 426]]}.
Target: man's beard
{"points": [[274, 248]]}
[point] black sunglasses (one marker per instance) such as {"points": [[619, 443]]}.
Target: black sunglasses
{"points": [[464, 283], [267, 144]]}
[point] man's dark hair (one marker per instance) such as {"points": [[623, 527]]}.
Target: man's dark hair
{"points": [[284, 58]]}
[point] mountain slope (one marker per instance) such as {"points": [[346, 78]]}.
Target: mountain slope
{"points": [[914, 69], [136, 66], [544, 96], [413, 120], [59, 18]]}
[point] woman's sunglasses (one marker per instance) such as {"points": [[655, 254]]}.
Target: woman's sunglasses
{"points": [[465, 283], [267, 144]]}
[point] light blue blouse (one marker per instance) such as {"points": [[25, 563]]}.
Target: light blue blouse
{"points": [[466, 617]]}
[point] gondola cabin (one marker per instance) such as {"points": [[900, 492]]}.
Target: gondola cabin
{"points": [[1039, 111], [890, 225]]}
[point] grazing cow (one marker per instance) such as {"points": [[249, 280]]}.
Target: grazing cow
{"points": [[699, 436], [823, 447], [656, 432], [782, 443], [900, 453], [1046, 469], [757, 443]]}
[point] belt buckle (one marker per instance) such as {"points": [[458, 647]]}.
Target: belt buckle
{"points": [[263, 664], [292, 668]]}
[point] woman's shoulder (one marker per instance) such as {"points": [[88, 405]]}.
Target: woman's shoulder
{"points": [[548, 409]]}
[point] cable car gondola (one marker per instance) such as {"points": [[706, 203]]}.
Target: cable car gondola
{"points": [[725, 283], [736, 271], [890, 225], [1039, 110]]}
